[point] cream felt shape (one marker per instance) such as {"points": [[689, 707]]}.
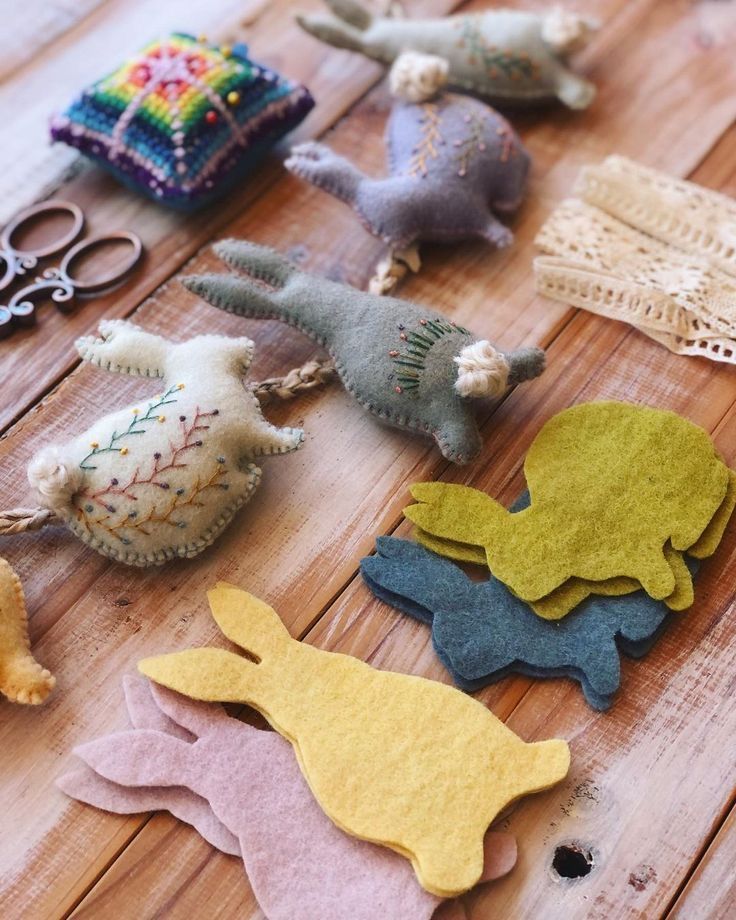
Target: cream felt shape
{"points": [[372, 744], [408, 365], [611, 485], [453, 162], [163, 477], [506, 56], [242, 790], [648, 249], [22, 678]]}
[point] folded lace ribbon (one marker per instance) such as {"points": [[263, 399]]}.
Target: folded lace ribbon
{"points": [[650, 250]]}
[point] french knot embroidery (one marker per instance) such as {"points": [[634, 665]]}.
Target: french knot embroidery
{"points": [[163, 477]]}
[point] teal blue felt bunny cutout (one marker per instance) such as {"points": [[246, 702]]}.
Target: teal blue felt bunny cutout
{"points": [[482, 632]]}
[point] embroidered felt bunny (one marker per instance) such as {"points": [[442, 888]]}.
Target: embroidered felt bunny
{"points": [[482, 632], [242, 789], [22, 678], [453, 162], [614, 487], [506, 56], [405, 364], [373, 745], [163, 477]]}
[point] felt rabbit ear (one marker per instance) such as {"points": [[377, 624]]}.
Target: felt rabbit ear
{"points": [[194, 717], [84, 785], [138, 758], [247, 620], [144, 711], [455, 512], [203, 673]]}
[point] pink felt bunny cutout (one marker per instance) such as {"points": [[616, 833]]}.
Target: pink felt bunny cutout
{"points": [[235, 782], [87, 786]]}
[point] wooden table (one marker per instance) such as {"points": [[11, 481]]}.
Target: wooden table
{"points": [[651, 791]]}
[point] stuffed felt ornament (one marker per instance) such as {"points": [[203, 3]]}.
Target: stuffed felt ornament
{"points": [[648, 249], [183, 120], [163, 477], [617, 492], [372, 745], [506, 56], [482, 632], [242, 790], [453, 162], [22, 678], [405, 364]]}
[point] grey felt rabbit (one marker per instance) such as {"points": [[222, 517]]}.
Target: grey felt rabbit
{"points": [[408, 365]]}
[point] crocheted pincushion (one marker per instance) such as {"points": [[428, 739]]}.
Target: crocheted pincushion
{"points": [[183, 120]]}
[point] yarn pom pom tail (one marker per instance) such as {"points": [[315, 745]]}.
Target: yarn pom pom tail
{"points": [[417, 77], [484, 371], [53, 480], [565, 32]]}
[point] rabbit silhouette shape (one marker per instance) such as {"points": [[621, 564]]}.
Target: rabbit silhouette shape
{"points": [[400, 361], [209, 770], [372, 744], [574, 591], [508, 56], [453, 161], [162, 478], [482, 632], [612, 486]]}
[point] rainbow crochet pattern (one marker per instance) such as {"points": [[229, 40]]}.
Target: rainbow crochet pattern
{"points": [[183, 120]]}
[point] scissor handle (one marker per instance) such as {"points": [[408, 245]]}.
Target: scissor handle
{"points": [[113, 277], [28, 214]]}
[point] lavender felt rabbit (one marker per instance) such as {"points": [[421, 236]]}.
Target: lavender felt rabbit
{"points": [[453, 162]]}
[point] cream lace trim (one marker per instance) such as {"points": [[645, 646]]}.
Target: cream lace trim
{"points": [[653, 251]]}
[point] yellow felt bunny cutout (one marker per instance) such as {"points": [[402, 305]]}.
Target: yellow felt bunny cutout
{"points": [[618, 492], [22, 678], [399, 760]]}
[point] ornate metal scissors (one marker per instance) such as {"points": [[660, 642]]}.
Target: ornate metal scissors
{"points": [[58, 282]]}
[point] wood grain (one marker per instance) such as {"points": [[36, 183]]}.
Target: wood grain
{"points": [[711, 891], [650, 783]]}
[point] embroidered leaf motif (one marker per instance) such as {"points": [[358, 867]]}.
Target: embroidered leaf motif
{"points": [[136, 426], [113, 508], [497, 61], [431, 138]]}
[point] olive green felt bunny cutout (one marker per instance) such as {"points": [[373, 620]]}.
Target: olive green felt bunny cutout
{"points": [[408, 365], [163, 477], [506, 56], [614, 489], [399, 760]]}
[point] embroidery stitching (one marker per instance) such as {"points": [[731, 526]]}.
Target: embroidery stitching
{"points": [[496, 61], [138, 419], [418, 345], [86, 501], [426, 149]]}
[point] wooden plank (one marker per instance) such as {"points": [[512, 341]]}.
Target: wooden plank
{"points": [[32, 361], [413, 652], [302, 552], [711, 892]]}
